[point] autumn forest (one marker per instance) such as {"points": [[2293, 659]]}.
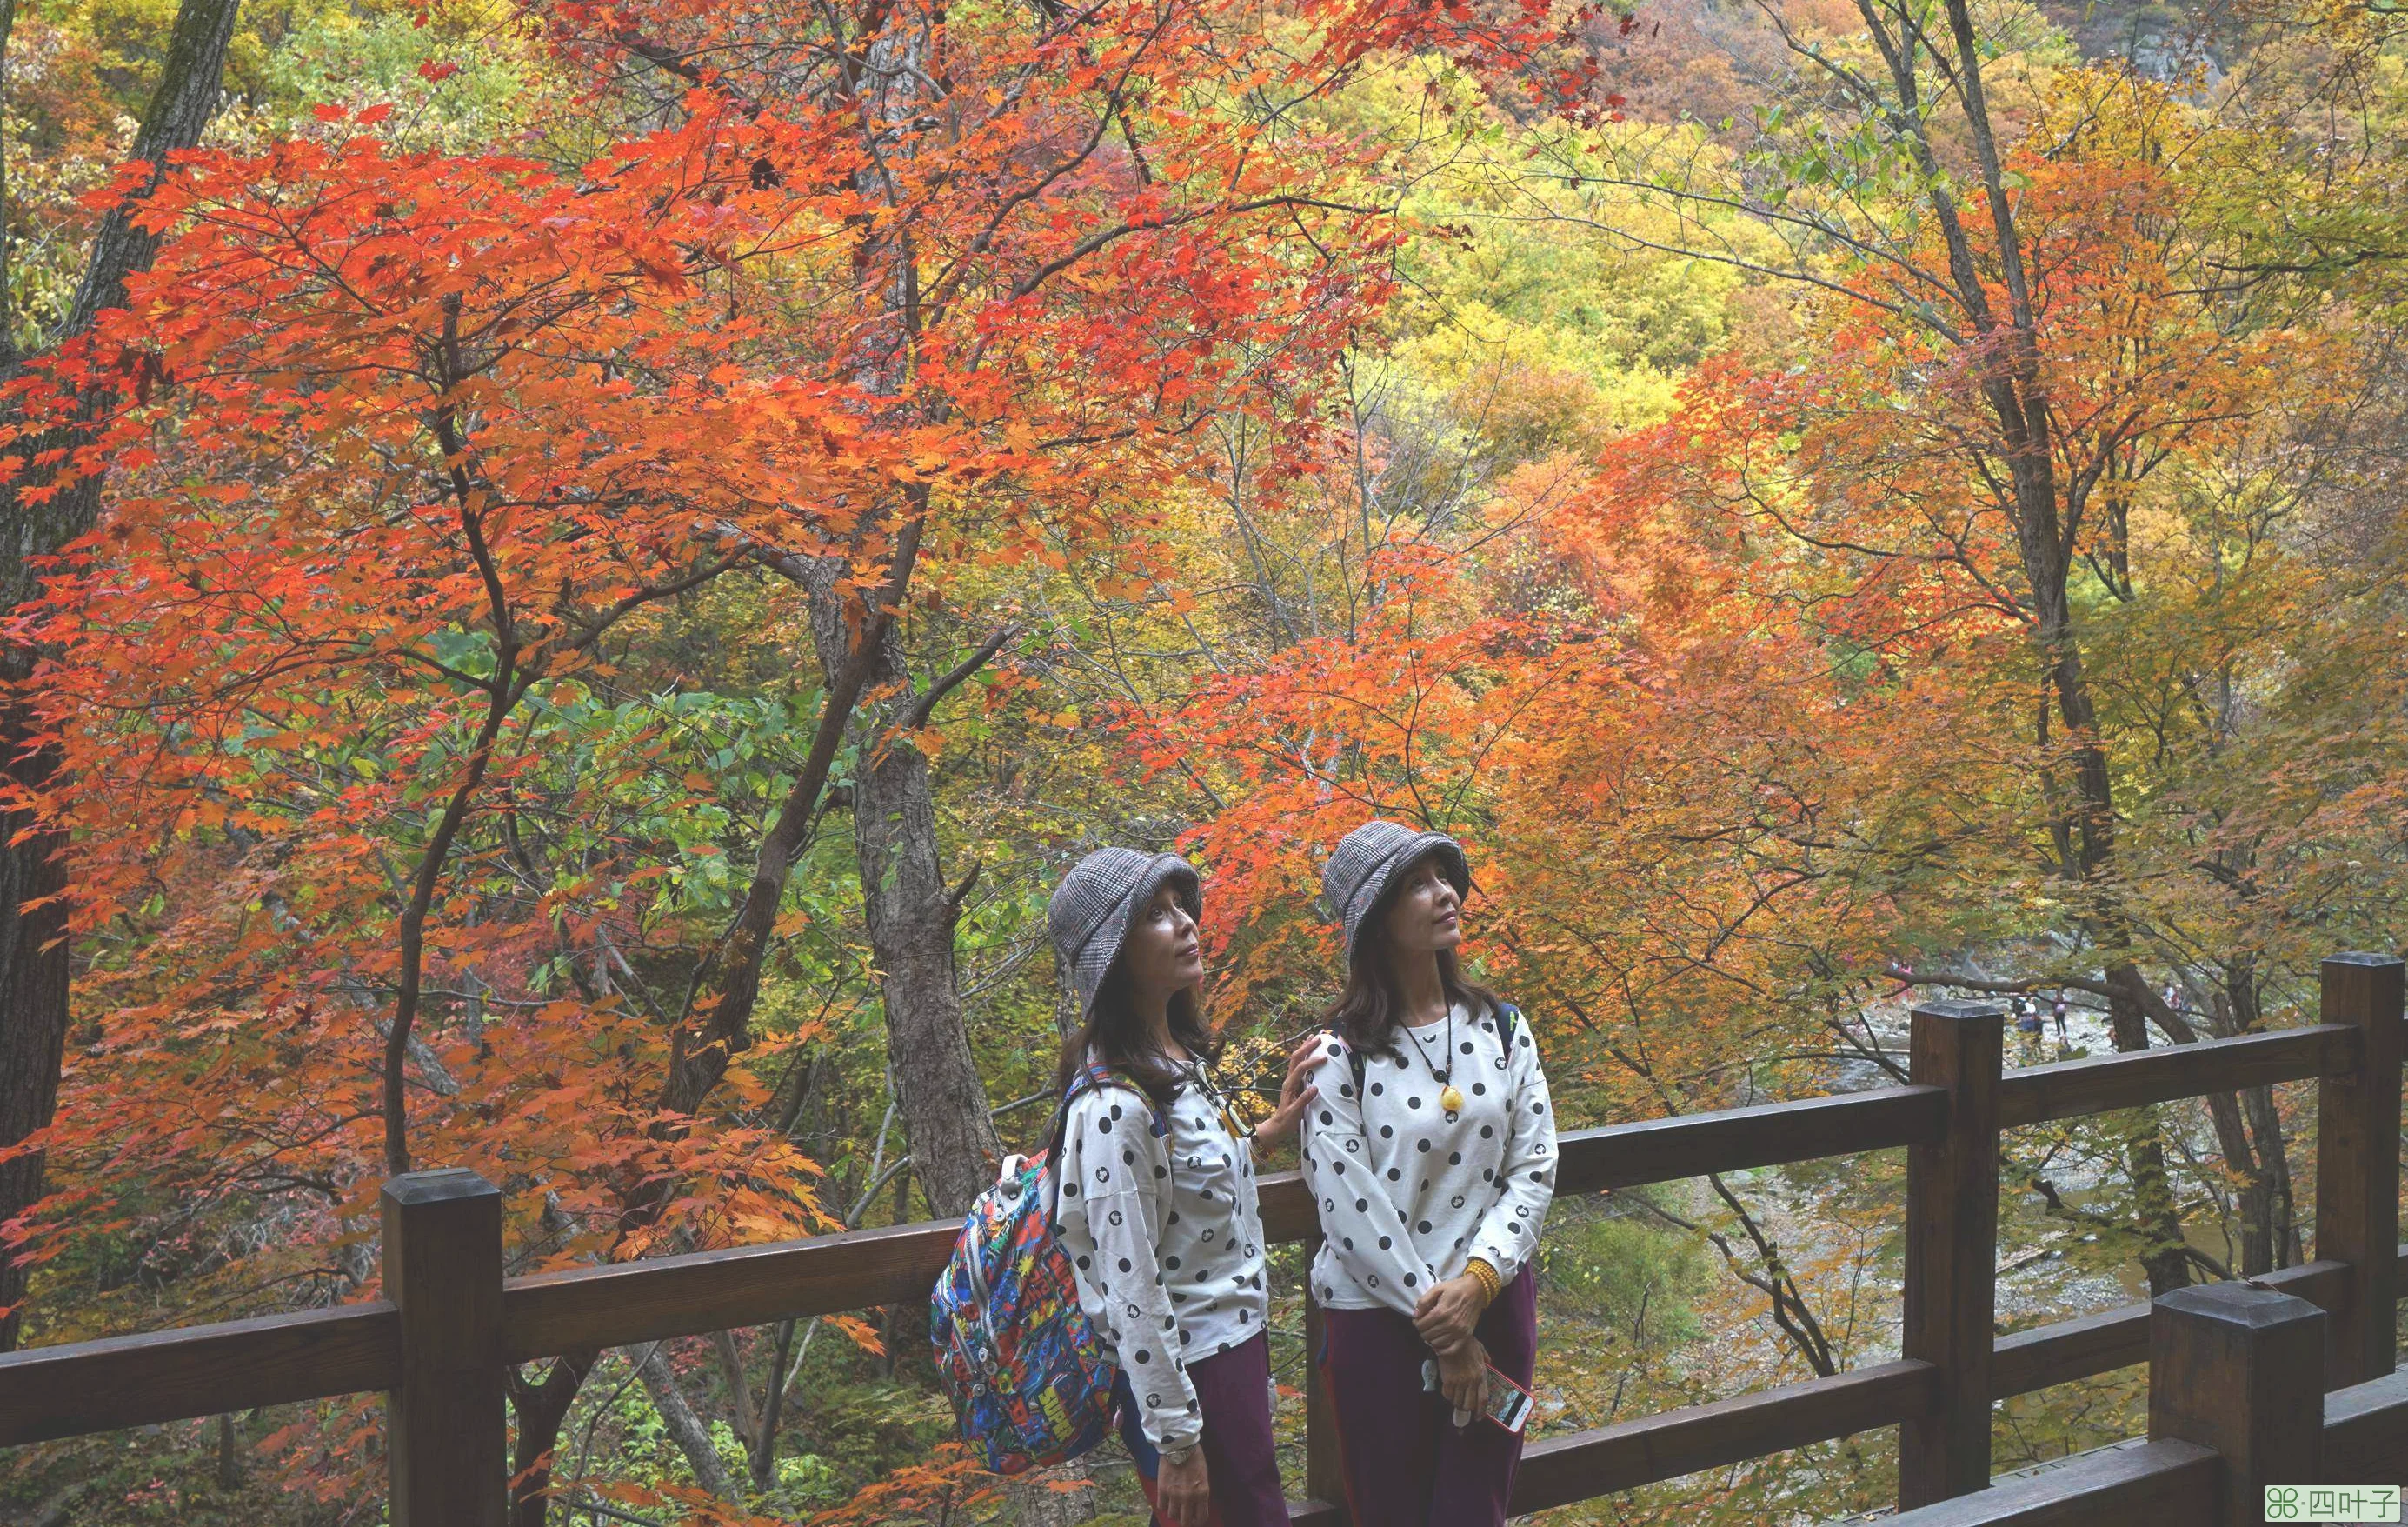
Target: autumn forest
{"points": [[577, 572]]}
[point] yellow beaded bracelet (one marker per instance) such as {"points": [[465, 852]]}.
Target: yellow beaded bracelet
{"points": [[1489, 1282]]}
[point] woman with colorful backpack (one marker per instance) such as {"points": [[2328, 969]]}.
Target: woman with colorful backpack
{"points": [[1157, 1196], [1431, 1159]]}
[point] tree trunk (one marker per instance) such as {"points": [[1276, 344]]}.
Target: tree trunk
{"points": [[764, 1444], [540, 1409], [685, 1429], [2015, 383], [2270, 1178], [2159, 1221], [905, 902], [7, 307], [2241, 1156], [33, 971], [2004, 353], [2256, 1237], [229, 1455], [902, 1328], [33, 997], [2011, 384], [2156, 1217], [2275, 1176], [739, 1388], [912, 915], [179, 109], [1035, 1502]]}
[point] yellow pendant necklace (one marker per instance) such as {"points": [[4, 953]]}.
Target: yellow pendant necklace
{"points": [[1449, 1099]]}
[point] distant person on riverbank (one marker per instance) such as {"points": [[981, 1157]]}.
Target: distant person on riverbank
{"points": [[2027, 1025], [1431, 1159], [2059, 1011]]}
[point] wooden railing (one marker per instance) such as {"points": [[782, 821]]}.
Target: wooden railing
{"points": [[2237, 1405], [440, 1344]]}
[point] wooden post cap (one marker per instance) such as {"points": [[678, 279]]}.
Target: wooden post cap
{"points": [[1962, 1011], [438, 1187], [2241, 1369], [2244, 1304]]}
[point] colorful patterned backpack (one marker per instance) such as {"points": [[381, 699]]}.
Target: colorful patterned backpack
{"points": [[1030, 1380]]}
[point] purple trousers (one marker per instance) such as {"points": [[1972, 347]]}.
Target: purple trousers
{"points": [[1404, 1462], [1233, 1390]]}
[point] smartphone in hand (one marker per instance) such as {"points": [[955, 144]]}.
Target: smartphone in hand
{"points": [[1509, 1404]]}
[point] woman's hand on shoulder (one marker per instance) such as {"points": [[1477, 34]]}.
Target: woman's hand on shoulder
{"points": [[1295, 1095]]}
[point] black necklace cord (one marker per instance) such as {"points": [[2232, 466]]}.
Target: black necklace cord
{"points": [[1446, 1077]]}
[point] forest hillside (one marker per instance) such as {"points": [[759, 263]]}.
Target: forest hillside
{"points": [[579, 571]]}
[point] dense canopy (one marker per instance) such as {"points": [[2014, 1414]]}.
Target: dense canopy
{"points": [[578, 572]]}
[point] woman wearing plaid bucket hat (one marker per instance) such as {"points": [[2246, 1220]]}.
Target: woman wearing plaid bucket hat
{"points": [[1157, 1206], [1431, 1158]]}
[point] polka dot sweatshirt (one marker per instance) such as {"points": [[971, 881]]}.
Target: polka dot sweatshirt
{"points": [[1166, 1239], [1408, 1192]]}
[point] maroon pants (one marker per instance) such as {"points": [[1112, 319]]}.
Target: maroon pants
{"points": [[1405, 1463], [1233, 1390]]}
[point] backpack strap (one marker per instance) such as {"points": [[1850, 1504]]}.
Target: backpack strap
{"points": [[1509, 1022], [1087, 1078], [1096, 1074]]}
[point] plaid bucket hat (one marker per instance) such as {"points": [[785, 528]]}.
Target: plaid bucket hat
{"points": [[1367, 858], [1088, 916]]}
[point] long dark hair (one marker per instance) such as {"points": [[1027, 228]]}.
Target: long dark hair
{"points": [[1368, 1011], [1116, 1035]]}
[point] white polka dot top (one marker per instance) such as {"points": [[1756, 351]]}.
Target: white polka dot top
{"points": [[1168, 1241], [1408, 1192]]}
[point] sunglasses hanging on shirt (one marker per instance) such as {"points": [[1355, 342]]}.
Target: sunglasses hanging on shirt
{"points": [[1231, 1119]]}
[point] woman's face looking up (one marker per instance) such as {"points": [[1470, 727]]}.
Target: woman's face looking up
{"points": [[1162, 953], [1425, 914]]}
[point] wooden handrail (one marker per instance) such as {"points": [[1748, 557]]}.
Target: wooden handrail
{"points": [[2118, 1338], [90, 1386], [171, 1375], [1735, 1139], [47, 1392], [2103, 1083], [718, 1290], [2237, 1381], [1558, 1470], [702, 1291], [2174, 1481], [2366, 1432]]}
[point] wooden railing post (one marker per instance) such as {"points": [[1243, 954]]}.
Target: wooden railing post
{"points": [[1952, 1251], [1323, 1479], [2358, 1164], [2240, 1370], [444, 1425]]}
